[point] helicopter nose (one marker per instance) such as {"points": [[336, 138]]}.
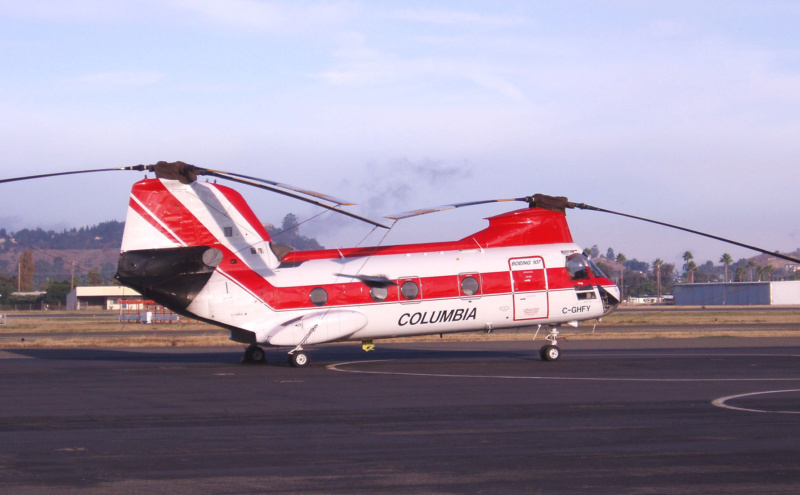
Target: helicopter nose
{"points": [[615, 292], [610, 295]]}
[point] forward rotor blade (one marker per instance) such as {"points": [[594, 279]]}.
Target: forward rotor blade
{"points": [[584, 206], [292, 195], [425, 211], [307, 192], [559, 203]]}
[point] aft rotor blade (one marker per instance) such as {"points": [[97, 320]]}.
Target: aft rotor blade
{"points": [[584, 206], [74, 172], [425, 211], [293, 195], [187, 173], [307, 192]]}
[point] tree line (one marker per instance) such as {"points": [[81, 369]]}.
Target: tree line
{"points": [[58, 276], [639, 278], [101, 236]]}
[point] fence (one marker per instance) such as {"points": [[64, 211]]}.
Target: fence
{"points": [[138, 311]]}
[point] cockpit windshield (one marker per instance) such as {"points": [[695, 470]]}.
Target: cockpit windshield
{"points": [[576, 267]]}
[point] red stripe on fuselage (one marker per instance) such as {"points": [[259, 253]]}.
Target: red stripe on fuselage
{"points": [[244, 209], [172, 213], [191, 231], [148, 217]]}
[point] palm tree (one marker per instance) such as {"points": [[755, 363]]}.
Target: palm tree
{"points": [[691, 266], [750, 265], [726, 260], [768, 271], [657, 268], [621, 259], [740, 271], [687, 257]]}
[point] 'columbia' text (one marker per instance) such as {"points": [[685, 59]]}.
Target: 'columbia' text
{"points": [[441, 316]]}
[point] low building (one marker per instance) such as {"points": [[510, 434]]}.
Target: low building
{"points": [[666, 299], [738, 294], [100, 297]]}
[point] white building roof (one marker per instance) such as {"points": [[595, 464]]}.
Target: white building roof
{"points": [[105, 291]]}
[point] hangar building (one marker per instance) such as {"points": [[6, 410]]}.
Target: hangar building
{"points": [[100, 297], [738, 293]]}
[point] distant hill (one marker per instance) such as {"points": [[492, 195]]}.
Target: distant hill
{"points": [[778, 263], [102, 236], [57, 254]]}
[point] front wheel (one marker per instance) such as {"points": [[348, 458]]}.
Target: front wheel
{"points": [[550, 353], [299, 359]]}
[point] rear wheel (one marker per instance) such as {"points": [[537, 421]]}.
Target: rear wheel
{"points": [[254, 354]]}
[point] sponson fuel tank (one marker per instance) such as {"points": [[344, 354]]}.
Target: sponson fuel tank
{"points": [[322, 326]]}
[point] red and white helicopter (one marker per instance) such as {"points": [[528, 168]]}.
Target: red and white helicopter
{"points": [[198, 249]]}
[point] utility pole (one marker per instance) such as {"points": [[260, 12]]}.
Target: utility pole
{"points": [[72, 285]]}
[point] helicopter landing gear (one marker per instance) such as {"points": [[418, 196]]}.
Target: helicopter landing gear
{"points": [[254, 354], [299, 358], [550, 352]]}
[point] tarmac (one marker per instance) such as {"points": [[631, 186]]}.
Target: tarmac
{"points": [[704, 415]]}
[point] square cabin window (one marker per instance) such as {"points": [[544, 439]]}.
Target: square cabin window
{"points": [[228, 231]]}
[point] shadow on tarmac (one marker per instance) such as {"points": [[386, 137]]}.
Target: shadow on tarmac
{"points": [[275, 356]]}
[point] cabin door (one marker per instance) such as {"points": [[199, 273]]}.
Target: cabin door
{"points": [[529, 285]]}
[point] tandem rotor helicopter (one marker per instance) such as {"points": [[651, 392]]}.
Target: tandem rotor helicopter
{"points": [[198, 249]]}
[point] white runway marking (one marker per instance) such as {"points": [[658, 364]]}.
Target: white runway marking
{"points": [[721, 402], [341, 368]]}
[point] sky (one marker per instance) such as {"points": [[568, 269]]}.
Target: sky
{"points": [[683, 111]]}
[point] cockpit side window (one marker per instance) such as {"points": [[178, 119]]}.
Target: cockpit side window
{"points": [[596, 271], [577, 268]]}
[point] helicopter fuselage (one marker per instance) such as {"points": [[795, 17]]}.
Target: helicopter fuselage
{"points": [[199, 250]]}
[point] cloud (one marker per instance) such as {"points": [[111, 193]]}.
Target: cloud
{"points": [[115, 80], [73, 11], [253, 15], [392, 187], [400, 183], [437, 174], [356, 63], [268, 16], [450, 17]]}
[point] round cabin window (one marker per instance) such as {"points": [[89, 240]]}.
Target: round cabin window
{"points": [[409, 289], [470, 286], [379, 294], [318, 296]]}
